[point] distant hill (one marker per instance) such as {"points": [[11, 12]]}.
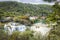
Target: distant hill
{"points": [[20, 8]]}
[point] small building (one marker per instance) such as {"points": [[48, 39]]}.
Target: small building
{"points": [[43, 17], [33, 17]]}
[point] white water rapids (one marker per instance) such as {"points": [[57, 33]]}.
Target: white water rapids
{"points": [[10, 27], [42, 28]]}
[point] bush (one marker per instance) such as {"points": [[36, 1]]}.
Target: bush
{"points": [[27, 35]]}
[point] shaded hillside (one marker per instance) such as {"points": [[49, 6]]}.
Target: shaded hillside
{"points": [[19, 8]]}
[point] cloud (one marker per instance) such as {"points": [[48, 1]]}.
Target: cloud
{"points": [[31, 1], [9, 0], [36, 2]]}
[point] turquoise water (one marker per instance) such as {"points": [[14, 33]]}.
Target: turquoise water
{"points": [[40, 20]]}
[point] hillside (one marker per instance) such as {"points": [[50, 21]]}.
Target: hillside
{"points": [[41, 18], [16, 8]]}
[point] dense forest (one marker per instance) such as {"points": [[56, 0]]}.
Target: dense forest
{"points": [[16, 8]]}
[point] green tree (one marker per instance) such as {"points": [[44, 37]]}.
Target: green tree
{"points": [[3, 35], [27, 35], [55, 16]]}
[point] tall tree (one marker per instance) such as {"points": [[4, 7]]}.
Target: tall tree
{"points": [[55, 16]]}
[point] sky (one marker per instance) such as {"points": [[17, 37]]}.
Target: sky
{"points": [[31, 1]]}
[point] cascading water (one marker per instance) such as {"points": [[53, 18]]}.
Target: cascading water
{"points": [[10, 27], [42, 28], [38, 28]]}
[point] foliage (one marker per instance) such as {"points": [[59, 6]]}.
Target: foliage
{"points": [[15, 8], [3, 35], [55, 16], [27, 35]]}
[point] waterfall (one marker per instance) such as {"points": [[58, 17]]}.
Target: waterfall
{"points": [[43, 29], [10, 27]]}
